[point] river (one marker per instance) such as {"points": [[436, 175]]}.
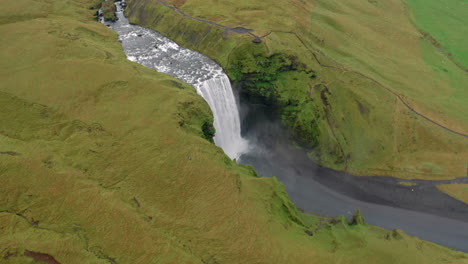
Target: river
{"points": [[419, 210]]}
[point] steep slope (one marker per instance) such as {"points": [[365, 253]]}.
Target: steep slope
{"points": [[357, 80], [104, 161]]}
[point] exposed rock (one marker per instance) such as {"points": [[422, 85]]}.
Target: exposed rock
{"points": [[257, 40]]}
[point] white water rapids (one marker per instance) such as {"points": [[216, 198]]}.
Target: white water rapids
{"points": [[219, 96], [153, 50], [316, 190]]}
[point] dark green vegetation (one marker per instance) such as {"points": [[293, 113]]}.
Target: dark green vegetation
{"points": [[274, 79], [105, 161], [357, 81], [108, 10], [208, 131], [358, 219]]}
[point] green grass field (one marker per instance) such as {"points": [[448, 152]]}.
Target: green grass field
{"points": [[95, 167], [376, 61], [446, 22]]}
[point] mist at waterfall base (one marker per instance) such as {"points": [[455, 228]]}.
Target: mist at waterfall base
{"points": [[220, 97], [427, 214], [266, 146]]}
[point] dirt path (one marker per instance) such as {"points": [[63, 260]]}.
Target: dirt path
{"points": [[241, 30]]}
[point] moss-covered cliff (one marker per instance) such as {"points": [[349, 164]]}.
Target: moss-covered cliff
{"points": [[353, 117], [105, 161]]}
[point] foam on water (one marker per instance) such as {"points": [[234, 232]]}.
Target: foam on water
{"points": [[153, 50], [270, 156]]}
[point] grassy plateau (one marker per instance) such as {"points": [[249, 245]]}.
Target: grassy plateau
{"points": [[105, 161], [367, 85], [343, 76]]}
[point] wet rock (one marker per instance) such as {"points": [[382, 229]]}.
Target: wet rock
{"points": [[257, 40]]}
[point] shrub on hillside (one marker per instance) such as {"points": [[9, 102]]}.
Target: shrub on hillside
{"points": [[108, 10], [358, 219]]}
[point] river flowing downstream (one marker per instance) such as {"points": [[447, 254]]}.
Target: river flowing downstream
{"points": [[420, 211]]}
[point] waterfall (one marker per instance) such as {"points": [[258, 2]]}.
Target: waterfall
{"points": [[217, 92], [151, 49]]}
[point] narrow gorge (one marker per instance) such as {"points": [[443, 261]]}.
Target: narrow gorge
{"points": [[267, 147]]}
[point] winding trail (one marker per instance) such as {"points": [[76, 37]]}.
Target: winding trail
{"points": [[241, 30]]}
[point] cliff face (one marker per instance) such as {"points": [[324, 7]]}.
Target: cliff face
{"points": [[350, 106], [104, 161]]}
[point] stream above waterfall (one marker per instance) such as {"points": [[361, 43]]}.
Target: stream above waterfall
{"points": [[151, 49], [426, 213]]}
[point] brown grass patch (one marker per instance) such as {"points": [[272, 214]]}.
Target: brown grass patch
{"points": [[41, 257]]}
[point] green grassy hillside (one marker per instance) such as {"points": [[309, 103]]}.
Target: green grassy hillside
{"points": [[104, 161], [356, 80], [445, 23]]}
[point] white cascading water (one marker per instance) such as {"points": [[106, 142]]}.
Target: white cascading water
{"points": [[153, 50], [219, 96]]}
